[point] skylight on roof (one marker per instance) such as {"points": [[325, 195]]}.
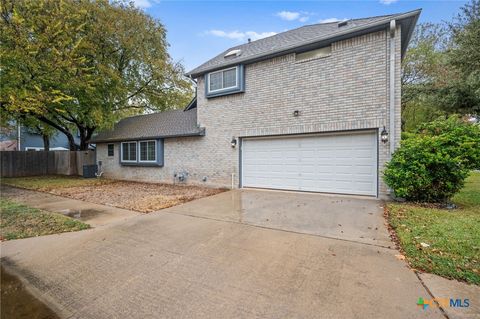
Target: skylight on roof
{"points": [[231, 53]]}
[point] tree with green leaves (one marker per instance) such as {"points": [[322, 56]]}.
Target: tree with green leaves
{"points": [[424, 61], [461, 92], [441, 72], [81, 65]]}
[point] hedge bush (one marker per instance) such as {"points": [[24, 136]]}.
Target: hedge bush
{"points": [[459, 138], [431, 165]]}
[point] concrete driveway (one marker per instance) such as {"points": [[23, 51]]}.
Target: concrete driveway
{"points": [[201, 260], [358, 219]]}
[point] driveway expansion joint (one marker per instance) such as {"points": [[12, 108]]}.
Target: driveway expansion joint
{"points": [[444, 313], [177, 212]]}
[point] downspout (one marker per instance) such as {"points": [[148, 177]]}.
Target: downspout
{"points": [[392, 86]]}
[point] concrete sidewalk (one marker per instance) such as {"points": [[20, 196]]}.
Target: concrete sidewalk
{"points": [[93, 214], [444, 288]]}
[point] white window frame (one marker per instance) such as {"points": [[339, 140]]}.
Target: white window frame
{"points": [[140, 151], [221, 71], [121, 152]]}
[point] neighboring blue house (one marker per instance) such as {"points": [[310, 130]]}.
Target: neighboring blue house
{"points": [[31, 141]]}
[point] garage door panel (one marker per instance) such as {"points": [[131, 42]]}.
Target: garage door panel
{"points": [[341, 170], [362, 178], [333, 163], [324, 154], [308, 171], [324, 170], [276, 169], [364, 186], [310, 153], [364, 170], [363, 153], [290, 161]]}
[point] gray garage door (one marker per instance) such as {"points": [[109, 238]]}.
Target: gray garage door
{"points": [[341, 163]]}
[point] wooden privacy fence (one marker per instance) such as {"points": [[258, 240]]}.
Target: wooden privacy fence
{"points": [[34, 163]]}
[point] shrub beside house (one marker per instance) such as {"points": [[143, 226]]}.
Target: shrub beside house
{"points": [[432, 165]]}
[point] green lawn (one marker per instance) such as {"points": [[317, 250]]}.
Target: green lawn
{"points": [[46, 183], [20, 221], [453, 236]]}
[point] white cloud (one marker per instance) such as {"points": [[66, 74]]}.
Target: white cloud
{"points": [[255, 36], [301, 16], [142, 3], [288, 15], [240, 36], [387, 2], [330, 20], [229, 35]]}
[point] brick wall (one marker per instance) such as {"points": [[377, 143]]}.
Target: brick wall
{"points": [[346, 91]]}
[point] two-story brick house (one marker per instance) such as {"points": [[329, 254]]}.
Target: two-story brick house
{"points": [[312, 109]]}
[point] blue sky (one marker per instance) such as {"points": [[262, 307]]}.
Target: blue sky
{"points": [[199, 30]]}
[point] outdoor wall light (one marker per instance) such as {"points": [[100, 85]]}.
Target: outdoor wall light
{"points": [[233, 142], [296, 113], [384, 135]]}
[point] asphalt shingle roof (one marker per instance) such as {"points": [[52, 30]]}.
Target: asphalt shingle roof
{"points": [[288, 40], [157, 125]]}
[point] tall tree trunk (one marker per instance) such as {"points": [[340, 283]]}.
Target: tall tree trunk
{"points": [[83, 141], [46, 142], [85, 136], [71, 141], [83, 145]]}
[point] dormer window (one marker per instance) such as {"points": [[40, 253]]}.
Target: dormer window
{"points": [[226, 81]]}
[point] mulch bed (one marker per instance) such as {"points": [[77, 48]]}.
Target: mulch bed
{"points": [[142, 197]]}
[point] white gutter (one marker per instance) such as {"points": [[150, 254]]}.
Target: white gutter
{"points": [[392, 86]]}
